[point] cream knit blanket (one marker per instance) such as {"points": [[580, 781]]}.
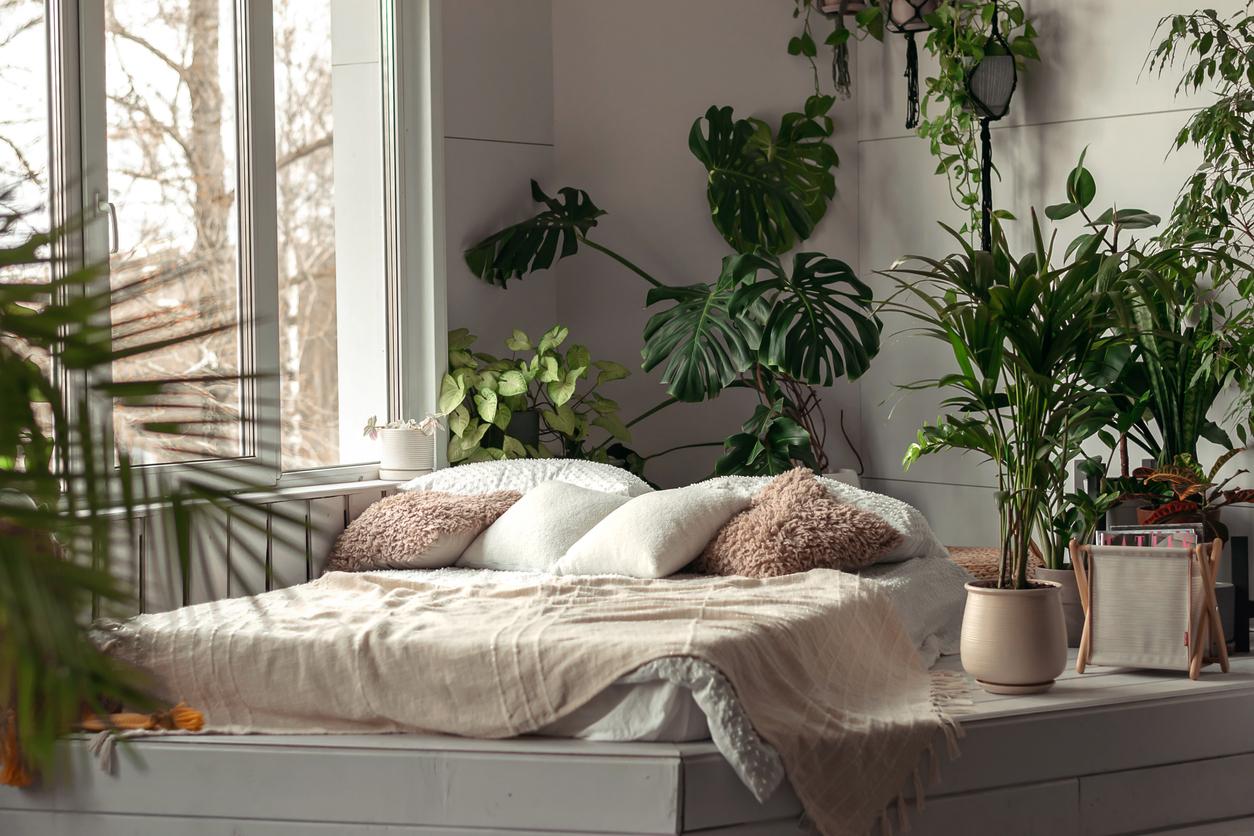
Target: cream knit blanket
{"points": [[820, 662]]}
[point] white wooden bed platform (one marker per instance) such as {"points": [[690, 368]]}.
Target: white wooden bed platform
{"points": [[1111, 752]]}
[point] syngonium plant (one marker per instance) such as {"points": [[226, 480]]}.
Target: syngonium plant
{"points": [[779, 327], [482, 393]]}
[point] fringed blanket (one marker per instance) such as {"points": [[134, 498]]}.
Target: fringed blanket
{"points": [[819, 661]]}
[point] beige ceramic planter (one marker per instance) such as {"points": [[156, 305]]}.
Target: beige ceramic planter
{"points": [[1014, 640], [1072, 609]]}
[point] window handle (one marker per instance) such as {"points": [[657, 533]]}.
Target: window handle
{"points": [[105, 207]]}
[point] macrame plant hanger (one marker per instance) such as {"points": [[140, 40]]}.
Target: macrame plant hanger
{"points": [[906, 17], [990, 86]]}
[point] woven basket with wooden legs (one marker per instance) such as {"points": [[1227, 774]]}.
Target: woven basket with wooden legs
{"points": [[1150, 607]]}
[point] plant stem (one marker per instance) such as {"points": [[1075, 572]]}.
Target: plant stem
{"points": [[651, 411], [633, 268], [685, 447]]}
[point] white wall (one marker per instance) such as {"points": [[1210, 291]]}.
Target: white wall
{"points": [[629, 79], [1088, 91], [498, 119]]}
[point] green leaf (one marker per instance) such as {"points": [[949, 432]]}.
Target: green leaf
{"points": [[821, 325], [578, 358], [518, 341], [614, 425], [512, 382], [547, 371], [462, 360], [562, 419], [503, 415], [534, 244], [608, 370], [766, 190], [561, 391], [486, 405], [459, 420], [702, 344], [1061, 211], [513, 448], [460, 339], [1081, 188], [452, 393], [552, 338]]}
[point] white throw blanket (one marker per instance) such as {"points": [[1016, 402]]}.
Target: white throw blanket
{"points": [[820, 662]]}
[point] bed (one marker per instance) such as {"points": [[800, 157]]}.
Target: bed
{"points": [[821, 675]]}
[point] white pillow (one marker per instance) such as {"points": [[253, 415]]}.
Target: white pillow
{"points": [[654, 535], [524, 474], [917, 537], [538, 529]]}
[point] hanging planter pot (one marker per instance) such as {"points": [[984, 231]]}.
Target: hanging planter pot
{"points": [[991, 83], [848, 7], [907, 17]]}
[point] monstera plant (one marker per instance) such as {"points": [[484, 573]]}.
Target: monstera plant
{"points": [[779, 326]]}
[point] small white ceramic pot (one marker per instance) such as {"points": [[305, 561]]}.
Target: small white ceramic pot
{"points": [[1069, 594], [406, 453], [1014, 640]]}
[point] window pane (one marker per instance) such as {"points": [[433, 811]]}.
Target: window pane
{"points": [[172, 169], [329, 158], [24, 145]]}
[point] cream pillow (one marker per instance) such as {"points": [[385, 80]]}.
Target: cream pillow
{"points": [[538, 529], [653, 535]]}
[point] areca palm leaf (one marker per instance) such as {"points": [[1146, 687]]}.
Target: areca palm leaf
{"points": [[704, 346], [820, 325], [766, 191], [539, 241]]}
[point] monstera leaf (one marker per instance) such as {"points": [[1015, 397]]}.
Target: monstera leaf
{"points": [[820, 326], [767, 192], [769, 443], [534, 244], [703, 345]]}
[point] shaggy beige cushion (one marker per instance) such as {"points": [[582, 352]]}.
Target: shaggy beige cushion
{"points": [[795, 525], [416, 530]]}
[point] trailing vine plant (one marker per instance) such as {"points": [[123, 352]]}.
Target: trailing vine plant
{"points": [[956, 40]]}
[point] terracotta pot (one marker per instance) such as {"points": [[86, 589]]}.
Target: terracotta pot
{"points": [[1069, 593], [1014, 641]]}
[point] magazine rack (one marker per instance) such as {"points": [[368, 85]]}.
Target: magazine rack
{"points": [[1150, 607]]}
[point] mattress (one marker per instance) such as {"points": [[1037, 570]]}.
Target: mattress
{"points": [[662, 701]]}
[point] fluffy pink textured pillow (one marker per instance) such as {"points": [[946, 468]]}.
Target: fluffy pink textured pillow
{"points": [[416, 530], [795, 525]]}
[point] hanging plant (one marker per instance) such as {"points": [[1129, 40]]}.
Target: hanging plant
{"points": [[947, 119]]}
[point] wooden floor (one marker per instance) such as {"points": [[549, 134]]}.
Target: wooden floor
{"points": [[1107, 753]]}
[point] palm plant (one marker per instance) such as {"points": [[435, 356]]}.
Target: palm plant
{"points": [[1025, 337], [65, 486], [778, 329]]}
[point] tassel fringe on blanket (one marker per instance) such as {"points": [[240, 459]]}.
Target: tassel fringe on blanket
{"points": [[16, 772], [951, 695]]}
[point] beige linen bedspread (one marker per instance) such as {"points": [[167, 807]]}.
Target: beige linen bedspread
{"points": [[820, 662]]}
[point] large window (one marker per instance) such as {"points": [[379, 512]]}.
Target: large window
{"points": [[232, 150]]}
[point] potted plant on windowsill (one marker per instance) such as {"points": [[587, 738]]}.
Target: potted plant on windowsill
{"points": [[408, 446], [1024, 337]]}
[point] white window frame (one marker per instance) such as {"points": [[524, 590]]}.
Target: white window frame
{"points": [[414, 233]]}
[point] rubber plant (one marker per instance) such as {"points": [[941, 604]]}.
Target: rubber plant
{"points": [[66, 488], [481, 394], [956, 40], [776, 325]]}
